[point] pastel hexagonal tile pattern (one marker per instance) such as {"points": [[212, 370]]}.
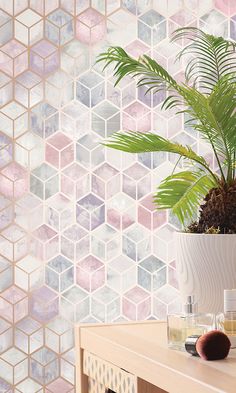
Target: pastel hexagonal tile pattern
{"points": [[75, 304], [14, 119], [59, 150], [14, 242], [151, 27], [75, 242], [136, 304], [28, 27], [29, 386], [6, 27], [13, 58], [44, 366], [90, 273], [6, 274], [44, 120], [59, 27], [75, 181], [59, 273], [13, 366], [6, 335], [6, 89], [75, 58], [105, 304], [29, 89], [90, 26], [59, 89], [13, 304], [43, 304], [152, 273], [28, 335], [44, 181], [59, 212], [137, 117], [90, 89], [80, 237], [59, 335], [44, 58], [75, 119], [60, 385], [90, 212]]}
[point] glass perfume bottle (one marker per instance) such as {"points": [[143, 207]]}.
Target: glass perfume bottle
{"points": [[226, 321], [188, 323]]}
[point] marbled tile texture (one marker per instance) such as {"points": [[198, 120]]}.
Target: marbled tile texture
{"points": [[80, 238]]}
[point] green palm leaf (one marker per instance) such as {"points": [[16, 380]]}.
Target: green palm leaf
{"points": [[215, 118], [183, 192], [212, 57], [138, 142], [148, 72]]}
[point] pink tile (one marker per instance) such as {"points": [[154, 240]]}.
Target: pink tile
{"points": [[228, 7], [59, 141], [136, 295], [172, 277], [44, 233], [148, 215], [13, 48], [183, 17], [44, 58], [144, 217], [90, 273], [136, 48], [43, 304], [59, 151], [13, 304], [90, 17], [13, 58], [136, 171], [148, 203], [90, 27], [13, 294], [75, 181], [44, 243], [52, 156], [6, 64], [60, 386], [106, 181], [118, 219], [136, 110], [44, 48], [136, 304], [14, 181]]}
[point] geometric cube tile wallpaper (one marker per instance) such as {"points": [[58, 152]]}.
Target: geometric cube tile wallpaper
{"points": [[80, 240]]}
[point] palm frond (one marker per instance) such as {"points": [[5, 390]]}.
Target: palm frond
{"points": [[212, 57], [138, 142], [215, 118], [183, 192], [222, 103], [147, 71]]}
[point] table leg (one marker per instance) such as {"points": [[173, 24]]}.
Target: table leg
{"points": [[81, 378]]}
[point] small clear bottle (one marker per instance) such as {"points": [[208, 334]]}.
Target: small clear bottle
{"points": [[226, 321], [188, 323]]}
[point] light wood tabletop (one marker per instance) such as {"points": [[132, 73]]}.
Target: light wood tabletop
{"points": [[141, 349]]}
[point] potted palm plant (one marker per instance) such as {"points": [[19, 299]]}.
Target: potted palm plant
{"points": [[206, 248]]}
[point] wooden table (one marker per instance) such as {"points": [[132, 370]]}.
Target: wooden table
{"points": [[134, 358]]}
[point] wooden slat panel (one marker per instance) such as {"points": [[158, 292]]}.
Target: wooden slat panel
{"points": [[107, 374]]}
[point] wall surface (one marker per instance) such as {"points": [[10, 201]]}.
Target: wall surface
{"points": [[80, 238]]}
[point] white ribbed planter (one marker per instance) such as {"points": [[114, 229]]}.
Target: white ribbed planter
{"points": [[206, 265]]}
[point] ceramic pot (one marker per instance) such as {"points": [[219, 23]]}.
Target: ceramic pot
{"points": [[206, 265]]}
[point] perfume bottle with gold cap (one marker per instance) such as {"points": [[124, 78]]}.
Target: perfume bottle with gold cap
{"points": [[226, 321], [188, 323]]}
